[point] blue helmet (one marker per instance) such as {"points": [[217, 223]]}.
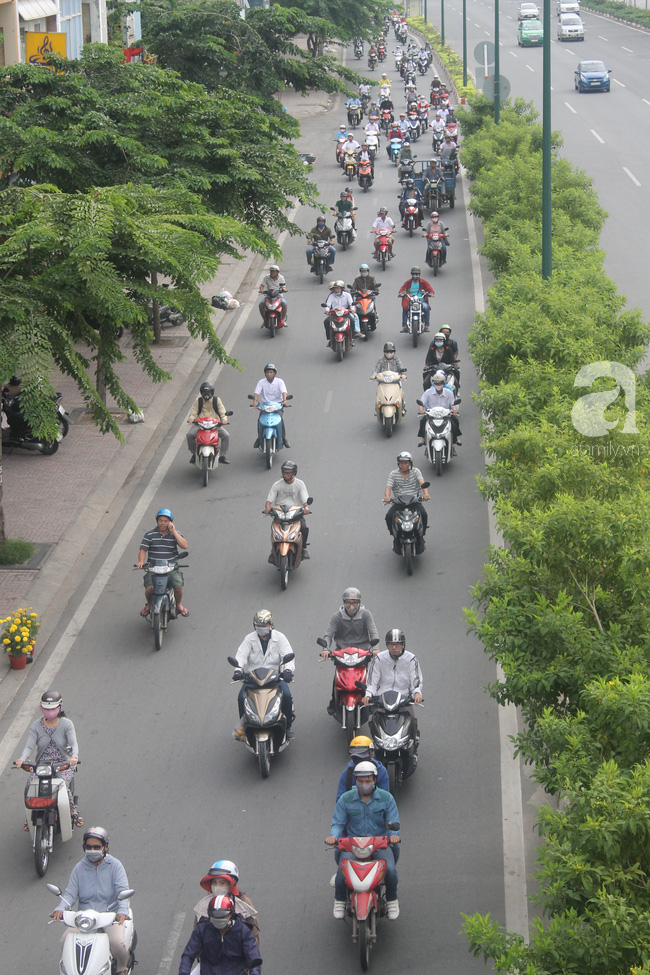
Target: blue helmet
{"points": [[222, 867], [166, 513]]}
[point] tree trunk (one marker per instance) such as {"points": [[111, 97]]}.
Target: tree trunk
{"points": [[155, 312], [100, 384], [3, 537]]}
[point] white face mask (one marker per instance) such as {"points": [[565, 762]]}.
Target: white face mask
{"points": [[365, 788], [220, 887], [262, 630]]}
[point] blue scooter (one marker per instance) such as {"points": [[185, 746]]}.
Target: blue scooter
{"points": [[269, 428], [393, 150]]}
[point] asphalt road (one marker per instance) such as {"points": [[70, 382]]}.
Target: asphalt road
{"points": [[606, 135], [160, 768]]}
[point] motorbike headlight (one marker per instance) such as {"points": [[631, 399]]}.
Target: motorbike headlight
{"points": [[391, 742], [362, 852], [85, 922], [407, 525], [273, 711], [105, 969], [251, 714], [277, 536], [294, 533]]}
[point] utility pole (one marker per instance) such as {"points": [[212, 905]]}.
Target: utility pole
{"points": [[497, 66], [547, 247]]}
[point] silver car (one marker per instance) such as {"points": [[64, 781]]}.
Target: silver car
{"points": [[528, 11], [570, 28]]}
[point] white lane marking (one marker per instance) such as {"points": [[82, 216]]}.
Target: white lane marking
{"points": [[571, 108], [596, 136], [57, 657], [646, 101], [620, 83], [328, 400], [626, 49], [631, 175], [530, 69], [172, 942], [603, 38], [514, 55], [487, 33]]}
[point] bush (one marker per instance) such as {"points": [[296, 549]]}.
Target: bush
{"points": [[15, 552]]}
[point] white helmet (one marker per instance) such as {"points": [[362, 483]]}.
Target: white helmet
{"points": [[365, 768], [439, 378]]}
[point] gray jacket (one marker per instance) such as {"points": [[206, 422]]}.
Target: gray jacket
{"points": [[355, 631], [38, 739]]}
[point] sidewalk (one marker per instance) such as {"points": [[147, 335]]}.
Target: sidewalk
{"points": [[58, 502]]}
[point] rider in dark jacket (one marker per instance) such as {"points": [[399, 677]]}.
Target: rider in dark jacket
{"points": [[224, 950]]}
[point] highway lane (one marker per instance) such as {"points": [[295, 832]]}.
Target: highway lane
{"points": [[160, 769], [606, 135]]}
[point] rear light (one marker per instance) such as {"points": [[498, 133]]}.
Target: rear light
{"points": [[40, 802]]}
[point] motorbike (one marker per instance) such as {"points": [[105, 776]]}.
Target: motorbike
{"points": [[351, 665], [47, 800], [415, 316], [389, 401], [452, 374], [286, 539], [373, 145], [365, 174], [274, 312], [423, 65], [19, 434], [381, 52], [437, 141], [358, 50], [354, 115], [366, 309], [434, 256], [343, 228], [386, 118], [320, 265], [265, 726], [451, 129], [405, 170], [394, 147], [448, 183], [372, 61], [338, 149], [439, 442], [340, 340], [350, 164], [444, 98], [86, 949], [208, 450], [423, 115], [412, 215], [414, 126], [393, 731], [162, 601], [407, 528], [432, 193], [269, 428], [383, 254]]}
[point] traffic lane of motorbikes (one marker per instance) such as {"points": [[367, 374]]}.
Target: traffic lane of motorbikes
{"points": [[177, 707]]}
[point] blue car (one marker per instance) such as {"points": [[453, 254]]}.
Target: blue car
{"points": [[592, 76]]}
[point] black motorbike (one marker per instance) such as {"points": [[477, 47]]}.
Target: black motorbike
{"points": [[408, 530], [320, 265], [393, 730], [162, 602], [19, 433]]}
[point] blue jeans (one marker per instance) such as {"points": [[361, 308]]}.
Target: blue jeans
{"points": [[426, 312], [332, 255], [286, 705], [390, 879]]}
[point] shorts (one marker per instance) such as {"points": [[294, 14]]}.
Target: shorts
{"points": [[175, 577]]}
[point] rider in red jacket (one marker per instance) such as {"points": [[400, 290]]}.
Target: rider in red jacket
{"points": [[416, 284]]}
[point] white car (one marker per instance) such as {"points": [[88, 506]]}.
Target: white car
{"points": [[570, 28], [528, 11], [567, 7]]}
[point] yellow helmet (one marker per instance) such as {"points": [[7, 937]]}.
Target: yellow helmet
{"points": [[361, 746]]}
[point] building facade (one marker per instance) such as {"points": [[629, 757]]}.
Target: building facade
{"points": [[61, 25]]}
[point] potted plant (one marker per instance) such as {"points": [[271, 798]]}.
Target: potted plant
{"points": [[18, 634]]}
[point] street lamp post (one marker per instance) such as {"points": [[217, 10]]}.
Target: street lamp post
{"points": [[442, 22], [497, 66], [547, 249], [465, 43]]}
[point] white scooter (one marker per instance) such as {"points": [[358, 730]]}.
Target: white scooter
{"points": [[439, 443], [86, 950]]}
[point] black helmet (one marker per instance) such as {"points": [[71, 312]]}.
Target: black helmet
{"points": [[396, 636], [51, 700], [206, 390], [389, 347], [415, 270], [97, 833], [290, 465]]}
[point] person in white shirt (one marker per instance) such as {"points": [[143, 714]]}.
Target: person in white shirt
{"points": [[271, 389], [266, 647], [339, 298], [383, 222]]}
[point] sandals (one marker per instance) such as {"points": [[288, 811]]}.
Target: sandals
{"points": [[183, 612], [77, 820], [145, 612]]}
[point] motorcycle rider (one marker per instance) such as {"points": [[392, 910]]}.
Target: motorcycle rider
{"points": [[396, 669], [162, 544], [439, 395], [290, 490], [439, 351], [320, 232], [353, 103], [207, 404], [364, 90], [405, 155], [403, 125], [54, 739], [271, 282], [372, 127], [223, 941], [438, 125], [95, 882], [405, 479], [343, 207], [364, 156], [411, 192], [365, 811], [389, 361], [416, 285], [436, 84], [451, 343], [350, 145], [340, 298], [271, 389], [361, 750], [448, 151], [364, 280], [437, 227], [223, 878], [351, 626], [265, 647], [383, 222]]}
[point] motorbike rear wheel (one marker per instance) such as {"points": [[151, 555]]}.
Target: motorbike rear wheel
{"points": [[284, 571], [268, 453], [264, 758], [364, 944], [408, 558], [42, 849], [388, 426], [438, 463]]}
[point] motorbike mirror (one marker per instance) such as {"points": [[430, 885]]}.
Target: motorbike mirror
{"points": [[321, 642], [53, 889], [392, 826], [254, 963], [361, 685], [288, 657], [250, 396], [458, 400], [419, 402], [182, 555], [425, 484], [373, 643], [233, 662], [290, 396], [123, 895], [323, 305], [228, 412], [310, 500]]}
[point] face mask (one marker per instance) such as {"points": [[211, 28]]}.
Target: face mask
{"points": [[220, 887], [220, 923], [262, 630], [50, 712], [389, 355], [351, 610], [439, 345], [365, 788], [94, 856], [415, 277]]}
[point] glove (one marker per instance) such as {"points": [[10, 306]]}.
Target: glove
{"points": [[287, 675], [238, 675]]}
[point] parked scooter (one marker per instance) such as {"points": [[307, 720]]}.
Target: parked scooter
{"points": [[366, 309], [351, 667], [408, 529], [439, 440], [19, 434], [86, 949], [265, 726], [47, 800], [269, 428], [208, 449], [274, 311], [286, 538], [162, 602], [340, 327], [393, 731], [389, 402], [366, 892]]}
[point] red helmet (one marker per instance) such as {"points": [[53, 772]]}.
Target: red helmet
{"points": [[209, 879]]}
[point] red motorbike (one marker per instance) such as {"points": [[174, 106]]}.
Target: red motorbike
{"points": [[435, 255], [340, 331], [386, 119], [412, 216], [383, 254], [366, 309], [351, 670], [365, 174], [381, 52], [274, 311], [207, 444], [451, 129]]}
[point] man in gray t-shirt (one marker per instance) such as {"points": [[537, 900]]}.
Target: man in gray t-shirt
{"points": [[290, 490]]}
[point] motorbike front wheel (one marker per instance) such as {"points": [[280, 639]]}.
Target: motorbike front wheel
{"points": [[284, 571], [394, 777], [205, 473], [50, 448], [339, 352], [42, 849], [320, 274], [268, 453], [272, 324], [415, 332], [383, 260], [159, 625], [350, 729], [364, 944], [438, 463], [388, 426], [436, 262], [63, 426], [408, 558], [264, 758]]}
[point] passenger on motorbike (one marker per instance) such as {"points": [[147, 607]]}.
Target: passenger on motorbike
{"points": [[416, 285], [272, 281], [451, 343], [54, 739], [383, 222], [95, 882], [364, 280], [320, 232], [365, 811], [162, 544], [439, 351], [405, 479], [223, 878], [207, 404], [344, 207], [266, 647], [439, 395], [271, 389], [436, 227], [340, 298], [290, 490], [225, 944], [389, 361], [448, 151], [361, 750]]}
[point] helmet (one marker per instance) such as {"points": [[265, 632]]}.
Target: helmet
{"points": [[362, 746], [342, 128], [165, 513], [439, 378], [445, 327], [290, 465], [206, 390], [434, 214], [365, 768], [332, 284], [320, 218], [343, 194], [351, 593], [274, 267], [221, 906], [409, 182], [363, 268], [389, 347], [270, 365], [382, 210], [224, 867], [97, 833], [51, 700], [438, 339], [339, 284], [396, 636], [405, 456], [263, 618], [402, 114], [415, 270], [350, 136]]}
